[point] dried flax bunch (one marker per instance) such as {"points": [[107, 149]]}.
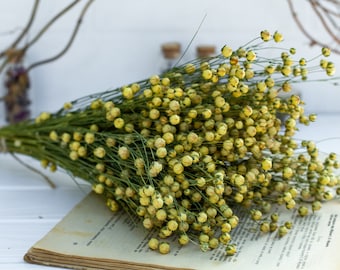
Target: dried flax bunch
{"points": [[185, 149]]}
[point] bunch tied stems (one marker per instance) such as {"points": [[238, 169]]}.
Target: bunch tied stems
{"points": [[184, 150]]}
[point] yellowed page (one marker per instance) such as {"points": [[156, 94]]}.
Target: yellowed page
{"points": [[91, 230]]}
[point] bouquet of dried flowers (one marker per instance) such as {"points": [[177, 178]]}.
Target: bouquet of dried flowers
{"points": [[184, 149]]}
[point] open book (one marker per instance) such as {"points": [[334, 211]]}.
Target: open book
{"points": [[92, 237]]}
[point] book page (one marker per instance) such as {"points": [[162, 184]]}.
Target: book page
{"points": [[91, 230]]}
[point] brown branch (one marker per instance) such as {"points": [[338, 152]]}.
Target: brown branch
{"points": [[48, 180], [25, 30], [324, 23], [68, 45], [304, 31], [330, 14], [49, 24]]}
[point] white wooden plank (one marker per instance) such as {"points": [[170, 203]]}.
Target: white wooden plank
{"points": [[17, 238], [38, 204], [13, 173]]}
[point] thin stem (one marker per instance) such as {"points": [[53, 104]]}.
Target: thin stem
{"points": [[49, 24], [25, 30], [48, 180], [324, 23], [304, 31], [68, 45], [192, 39]]}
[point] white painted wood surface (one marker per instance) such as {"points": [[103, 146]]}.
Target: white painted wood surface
{"points": [[29, 208]]}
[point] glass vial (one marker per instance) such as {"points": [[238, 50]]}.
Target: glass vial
{"points": [[171, 52]]}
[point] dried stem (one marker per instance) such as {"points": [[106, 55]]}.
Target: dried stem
{"points": [[68, 45], [49, 24], [48, 180], [25, 30], [317, 7]]}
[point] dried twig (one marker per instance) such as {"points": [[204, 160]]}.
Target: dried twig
{"points": [[68, 45], [25, 30], [328, 21], [49, 24]]}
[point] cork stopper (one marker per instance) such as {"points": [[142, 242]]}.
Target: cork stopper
{"points": [[171, 50], [205, 51]]}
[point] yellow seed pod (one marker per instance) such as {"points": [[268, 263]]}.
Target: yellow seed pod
{"points": [[209, 136], [161, 152], [119, 123], [265, 35], [219, 102], [96, 104], [240, 73], [256, 214], [270, 69], [226, 51], [54, 136], [110, 142], [165, 81], [156, 101], [266, 164], [187, 161], [164, 248], [323, 63], [174, 105], [159, 142], [154, 114], [99, 152], [168, 137], [154, 80], [153, 243], [206, 113], [302, 62], [251, 56], [278, 37], [261, 86], [175, 119], [221, 71], [249, 74], [326, 51], [183, 239], [74, 145], [178, 168], [148, 93], [89, 138], [98, 188], [270, 82], [179, 92], [156, 89], [77, 136], [66, 137], [127, 92], [224, 238], [157, 202], [161, 214], [190, 68], [207, 74], [327, 195], [286, 70], [303, 211], [44, 163], [123, 152], [44, 116], [67, 106], [330, 69], [82, 152]]}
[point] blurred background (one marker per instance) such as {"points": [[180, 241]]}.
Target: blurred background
{"points": [[120, 42]]}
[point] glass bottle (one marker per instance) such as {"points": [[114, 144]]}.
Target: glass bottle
{"points": [[171, 52], [205, 51]]}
